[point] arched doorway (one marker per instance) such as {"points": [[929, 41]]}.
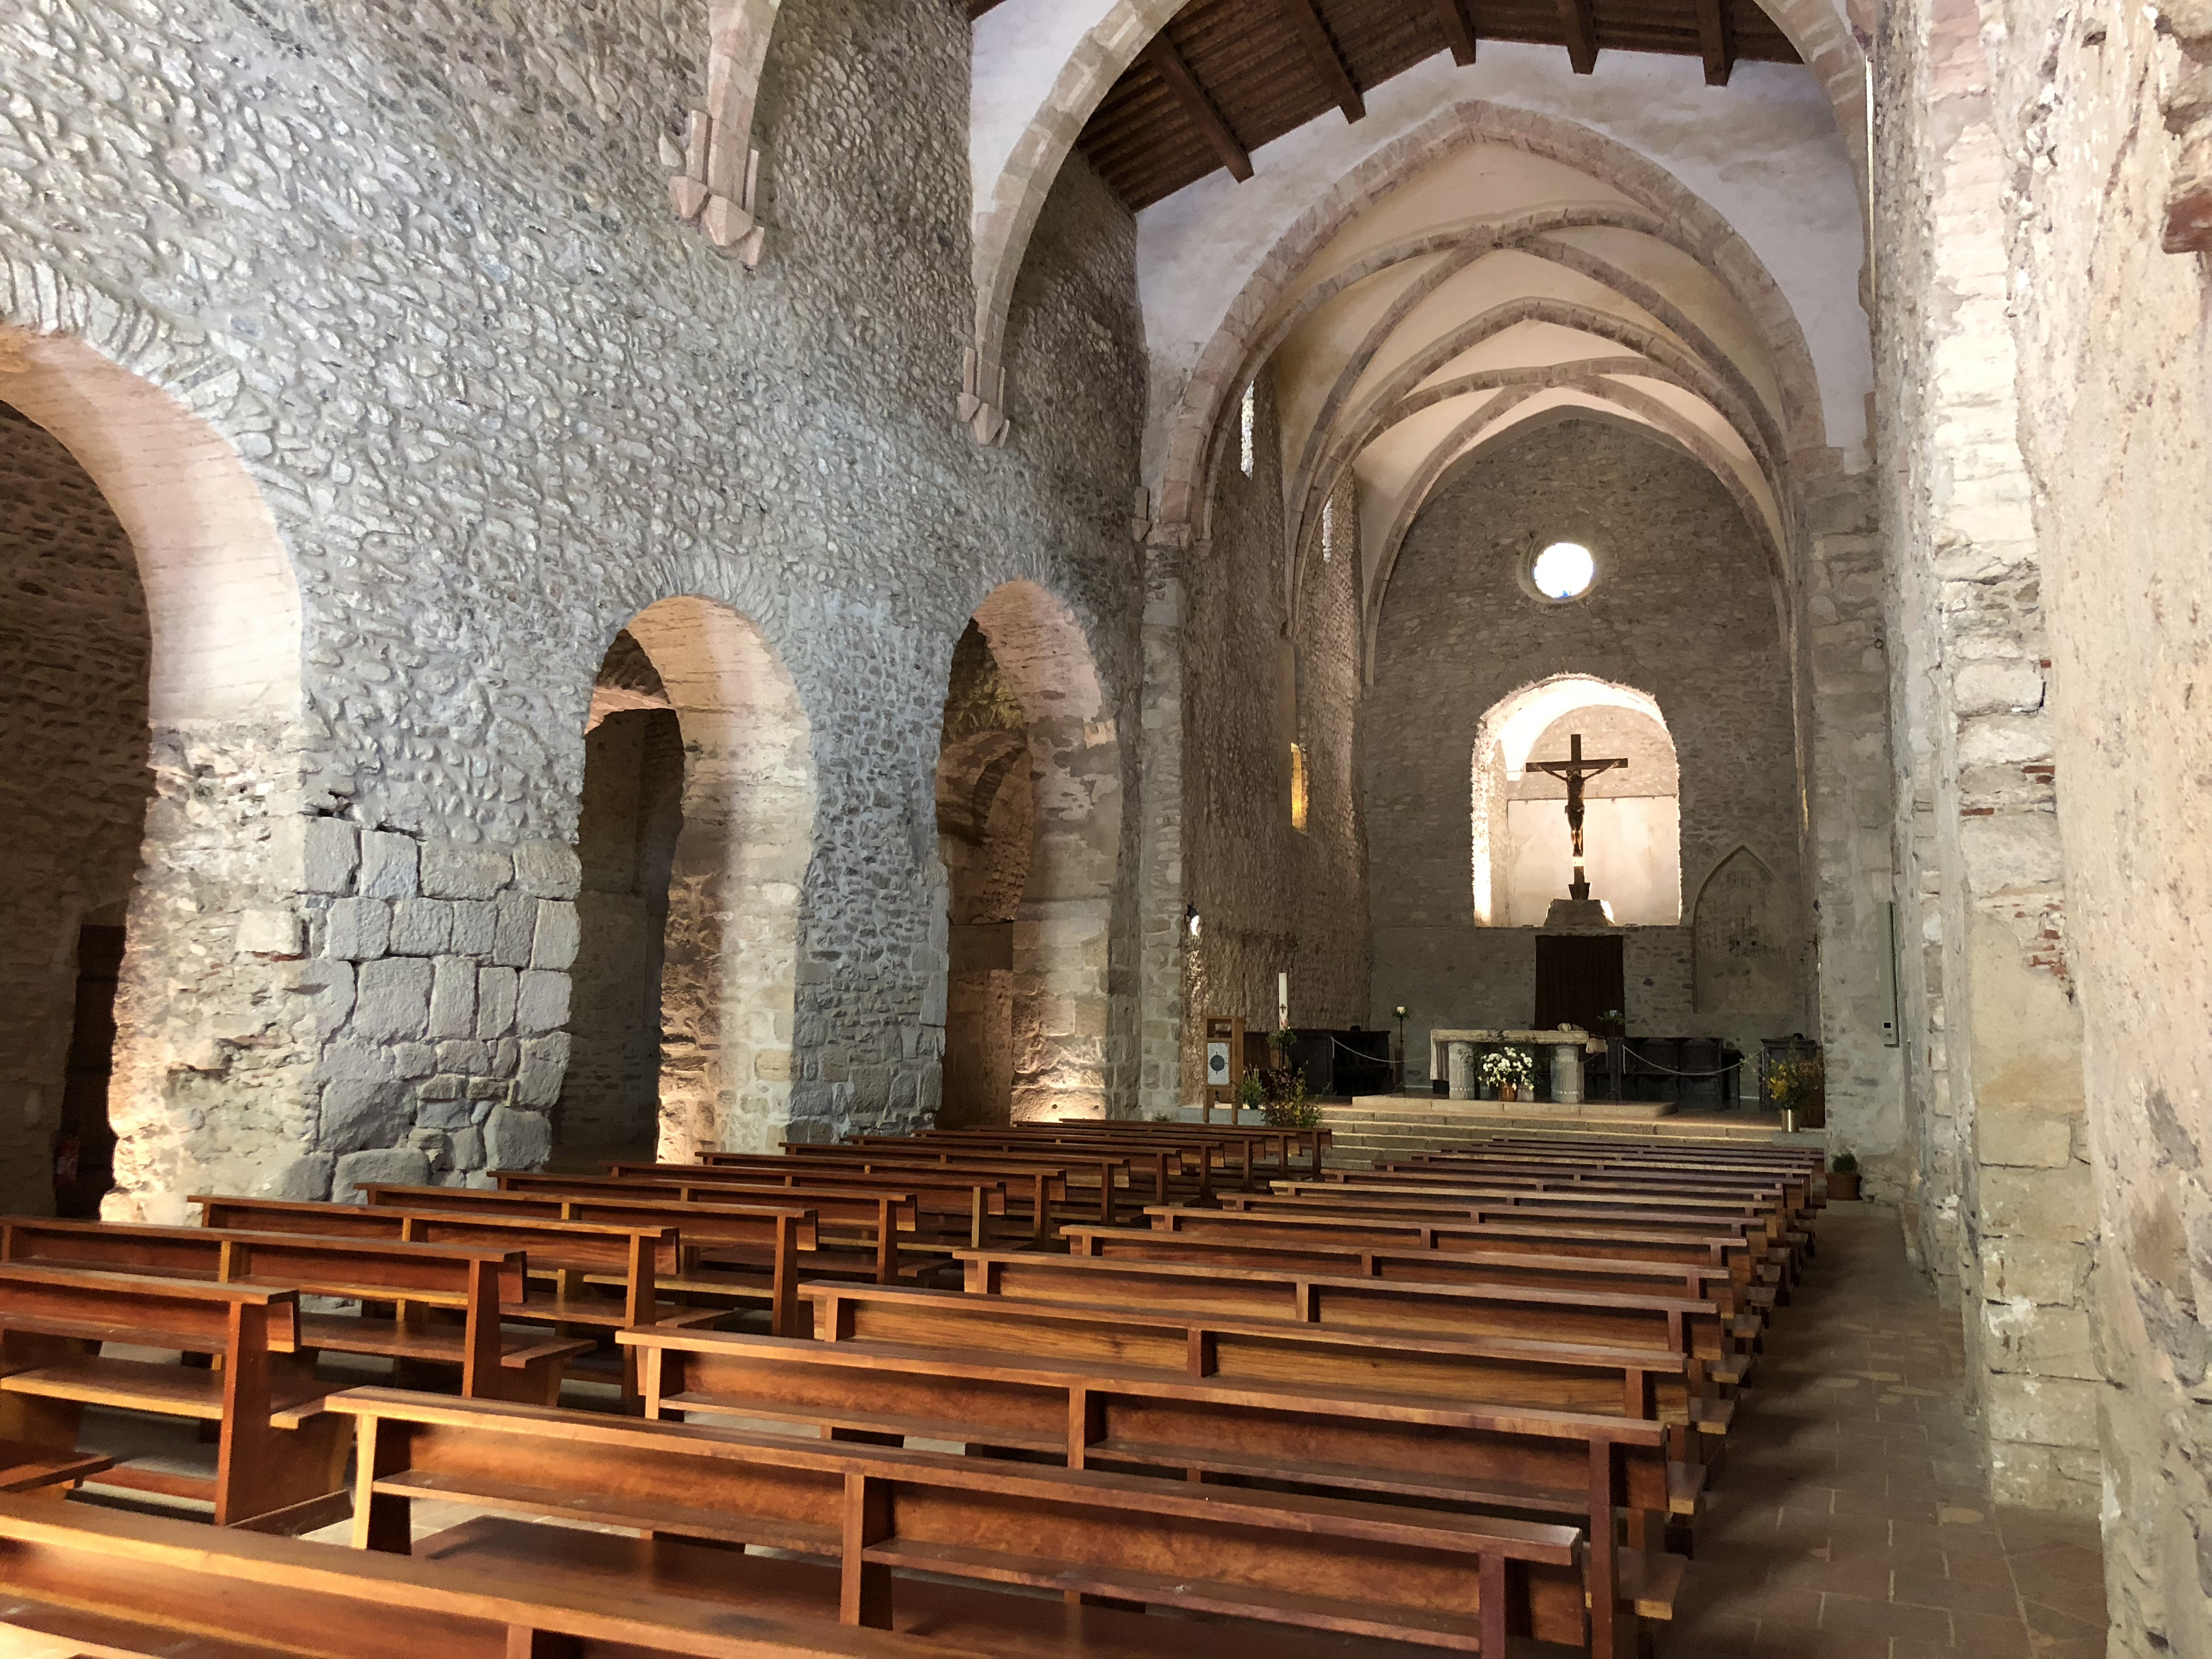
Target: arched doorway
{"points": [[1522, 856], [986, 829], [74, 789], [151, 610], [626, 833], [696, 832], [1029, 823]]}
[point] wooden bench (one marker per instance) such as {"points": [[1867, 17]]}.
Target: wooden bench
{"points": [[731, 1256], [280, 1457], [1772, 1217], [1714, 1239], [1464, 1583], [1245, 1154], [1008, 1199], [1623, 1275], [1674, 1325], [1645, 1384], [851, 1233], [96, 1581], [604, 1278], [426, 1282], [1548, 1466], [1069, 1174]]}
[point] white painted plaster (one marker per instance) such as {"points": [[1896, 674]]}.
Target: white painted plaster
{"points": [[1763, 152], [1020, 47]]}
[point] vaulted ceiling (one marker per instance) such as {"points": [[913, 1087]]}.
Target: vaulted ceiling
{"points": [[1226, 76]]}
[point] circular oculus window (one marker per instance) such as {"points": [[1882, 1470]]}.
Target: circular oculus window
{"points": [[1564, 571]]}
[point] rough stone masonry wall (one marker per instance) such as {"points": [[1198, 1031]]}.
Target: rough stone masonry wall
{"points": [[74, 784], [500, 401], [2116, 428], [1271, 899], [1684, 609], [1996, 1029]]}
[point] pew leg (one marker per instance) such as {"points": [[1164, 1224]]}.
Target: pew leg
{"points": [[48, 1424], [275, 1470], [524, 1642]]}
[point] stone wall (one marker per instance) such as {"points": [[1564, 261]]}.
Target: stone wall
{"points": [[2114, 427], [499, 401], [74, 783], [1684, 610], [1271, 899]]}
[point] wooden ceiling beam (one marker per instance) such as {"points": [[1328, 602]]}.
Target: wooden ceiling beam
{"points": [[1716, 39], [1163, 56], [1329, 63], [1579, 19], [1459, 34]]}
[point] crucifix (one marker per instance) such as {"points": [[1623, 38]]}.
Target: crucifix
{"points": [[1574, 769]]}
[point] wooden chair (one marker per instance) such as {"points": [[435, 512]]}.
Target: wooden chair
{"points": [[1429, 1577], [447, 1298], [281, 1457]]}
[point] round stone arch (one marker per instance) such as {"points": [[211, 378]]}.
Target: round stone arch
{"points": [[1504, 737], [729, 976], [216, 919], [1063, 929]]}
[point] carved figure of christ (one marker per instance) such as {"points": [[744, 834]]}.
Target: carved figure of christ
{"points": [[1574, 769]]}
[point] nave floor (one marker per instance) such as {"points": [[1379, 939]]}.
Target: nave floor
{"points": [[1853, 1521]]}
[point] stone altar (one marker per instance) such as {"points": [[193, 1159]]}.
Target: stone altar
{"points": [[1451, 1054]]}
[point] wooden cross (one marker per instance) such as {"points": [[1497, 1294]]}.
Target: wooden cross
{"points": [[1574, 769]]}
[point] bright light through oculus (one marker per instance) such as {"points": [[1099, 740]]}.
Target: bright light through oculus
{"points": [[1562, 571]]}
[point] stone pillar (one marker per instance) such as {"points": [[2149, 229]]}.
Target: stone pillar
{"points": [[1969, 650], [1844, 698], [1461, 1060], [1166, 934]]}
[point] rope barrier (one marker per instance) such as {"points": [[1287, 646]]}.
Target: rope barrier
{"points": [[1735, 1065]]}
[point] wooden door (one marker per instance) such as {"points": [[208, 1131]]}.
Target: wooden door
{"points": [[1579, 977]]}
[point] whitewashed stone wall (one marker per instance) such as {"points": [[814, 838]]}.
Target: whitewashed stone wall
{"points": [[74, 784], [499, 402], [1686, 612], [2111, 340]]}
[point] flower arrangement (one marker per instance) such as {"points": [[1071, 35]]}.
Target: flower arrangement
{"points": [[1508, 1067], [1792, 1084]]}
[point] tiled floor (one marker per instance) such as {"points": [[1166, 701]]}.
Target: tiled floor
{"points": [[1852, 1521]]}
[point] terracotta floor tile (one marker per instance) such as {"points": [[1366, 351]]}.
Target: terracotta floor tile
{"points": [[1851, 1516]]}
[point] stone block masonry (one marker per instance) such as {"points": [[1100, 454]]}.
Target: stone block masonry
{"points": [[417, 272]]}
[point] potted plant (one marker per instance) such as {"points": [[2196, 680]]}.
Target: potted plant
{"points": [[1842, 1176], [1510, 1071], [1251, 1095]]}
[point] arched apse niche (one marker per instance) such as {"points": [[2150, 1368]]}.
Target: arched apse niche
{"points": [[729, 962], [213, 912], [1059, 946], [1633, 824]]}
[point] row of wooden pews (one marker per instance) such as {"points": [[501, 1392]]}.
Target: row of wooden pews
{"points": [[1214, 1394]]}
